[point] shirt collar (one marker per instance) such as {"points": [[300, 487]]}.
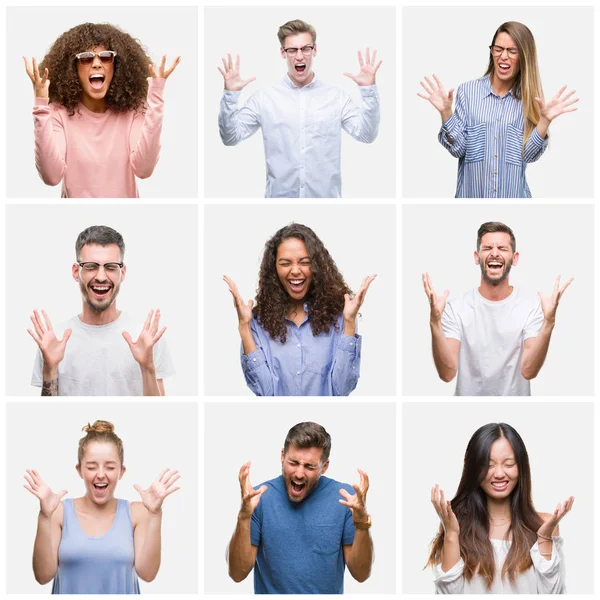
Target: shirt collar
{"points": [[487, 89], [290, 84]]}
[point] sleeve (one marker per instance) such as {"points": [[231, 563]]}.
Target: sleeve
{"points": [[162, 360], [36, 375], [450, 324], [452, 134], [534, 322], [535, 146], [144, 137], [256, 523], [50, 143], [362, 123], [550, 574], [346, 365], [450, 582], [256, 368], [237, 124], [349, 527]]}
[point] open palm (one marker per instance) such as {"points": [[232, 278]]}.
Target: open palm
{"points": [[154, 496], [49, 501]]}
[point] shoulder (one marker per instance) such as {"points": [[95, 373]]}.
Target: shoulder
{"points": [[526, 298], [462, 300]]}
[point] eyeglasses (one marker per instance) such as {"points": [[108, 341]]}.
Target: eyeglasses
{"points": [[306, 50], [498, 50], [92, 267], [87, 58]]}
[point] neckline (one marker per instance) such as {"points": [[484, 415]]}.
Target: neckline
{"points": [[95, 537], [512, 295]]}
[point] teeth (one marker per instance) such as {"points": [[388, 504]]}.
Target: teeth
{"points": [[97, 76], [296, 281]]}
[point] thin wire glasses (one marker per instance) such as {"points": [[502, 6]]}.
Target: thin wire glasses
{"points": [[499, 50]]}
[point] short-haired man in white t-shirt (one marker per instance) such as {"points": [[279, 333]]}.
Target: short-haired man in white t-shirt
{"points": [[496, 336], [95, 354]]}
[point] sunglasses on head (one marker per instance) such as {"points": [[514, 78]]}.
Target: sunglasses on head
{"points": [[87, 58]]}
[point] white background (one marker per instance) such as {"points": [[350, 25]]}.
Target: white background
{"points": [[559, 441], [362, 436], [162, 272], [162, 30], [367, 169], [45, 437], [361, 241], [552, 240], [453, 44]]}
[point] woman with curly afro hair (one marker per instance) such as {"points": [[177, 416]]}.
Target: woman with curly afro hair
{"points": [[97, 115], [300, 339]]}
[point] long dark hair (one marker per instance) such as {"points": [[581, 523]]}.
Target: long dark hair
{"points": [[325, 297], [470, 507]]}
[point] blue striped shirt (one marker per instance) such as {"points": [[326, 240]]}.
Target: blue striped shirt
{"points": [[485, 133], [327, 364]]}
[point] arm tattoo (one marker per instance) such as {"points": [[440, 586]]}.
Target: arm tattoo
{"points": [[50, 388]]}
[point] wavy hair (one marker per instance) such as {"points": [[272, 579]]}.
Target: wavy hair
{"points": [[528, 84], [325, 297], [470, 507], [129, 86]]}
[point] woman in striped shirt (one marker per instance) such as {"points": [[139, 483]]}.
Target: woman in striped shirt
{"points": [[500, 122]]}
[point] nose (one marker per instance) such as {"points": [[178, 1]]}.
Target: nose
{"points": [[300, 472], [96, 62], [498, 472], [504, 53]]}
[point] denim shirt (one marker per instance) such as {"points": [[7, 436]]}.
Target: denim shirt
{"points": [[485, 133], [327, 364]]}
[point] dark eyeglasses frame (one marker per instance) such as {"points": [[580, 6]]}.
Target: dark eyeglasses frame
{"points": [[510, 51], [98, 265], [294, 51], [87, 58]]}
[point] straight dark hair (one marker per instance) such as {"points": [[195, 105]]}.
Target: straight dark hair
{"points": [[470, 507], [309, 435]]}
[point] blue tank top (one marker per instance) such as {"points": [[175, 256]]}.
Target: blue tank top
{"points": [[96, 564]]}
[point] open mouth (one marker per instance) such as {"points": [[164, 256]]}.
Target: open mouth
{"points": [[100, 487], [499, 486], [100, 291], [300, 67], [504, 68], [297, 488], [96, 81], [495, 266], [297, 285]]}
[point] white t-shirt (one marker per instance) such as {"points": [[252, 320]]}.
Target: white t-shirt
{"points": [[98, 361], [491, 336]]}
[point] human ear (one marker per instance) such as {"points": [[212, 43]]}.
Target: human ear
{"points": [[123, 469], [325, 467], [476, 257], [75, 271], [78, 469], [515, 259]]}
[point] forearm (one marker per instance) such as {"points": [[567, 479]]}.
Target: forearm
{"points": [[363, 123], [49, 381], [240, 557], [360, 559], [450, 551], [149, 382], [145, 143], [248, 343], [545, 547], [346, 366], [542, 127], [445, 362], [49, 154], [148, 561], [235, 125], [534, 356], [45, 559]]}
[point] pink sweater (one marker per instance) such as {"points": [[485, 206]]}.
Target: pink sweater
{"points": [[98, 155]]}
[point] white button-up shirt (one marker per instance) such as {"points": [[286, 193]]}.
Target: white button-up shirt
{"points": [[301, 130]]}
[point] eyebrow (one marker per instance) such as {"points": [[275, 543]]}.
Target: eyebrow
{"points": [[93, 462], [289, 259]]}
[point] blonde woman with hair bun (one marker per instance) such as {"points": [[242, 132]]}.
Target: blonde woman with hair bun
{"points": [[98, 544], [500, 121]]}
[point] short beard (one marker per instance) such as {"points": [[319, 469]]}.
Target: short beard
{"points": [[93, 307], [494, 282]]}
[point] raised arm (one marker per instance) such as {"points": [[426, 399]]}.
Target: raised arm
{"points": [[445, 350], [49, 529], [241, 554], [148, 522], [535, 348]]}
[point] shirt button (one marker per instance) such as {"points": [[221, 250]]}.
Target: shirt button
{"points": [[494, 191], [253, 360], [352, 343], [297, 372], [298, 345]]}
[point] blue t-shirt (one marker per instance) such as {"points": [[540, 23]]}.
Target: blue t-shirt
{"points": [[300, 544]]}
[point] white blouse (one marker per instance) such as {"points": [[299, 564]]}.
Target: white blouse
{"points": [[544, 577]]}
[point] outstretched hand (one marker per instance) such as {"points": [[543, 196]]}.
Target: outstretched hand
{"points": [[162, 72], [443, 508], [357, 502], [368, 68], [231, 75], [437, 95], [559, 104], [154, 496], [353, 303], [142, 348], [49, 501], [250, 496], [436, 303], [553, 520], [52, 349], [550, 303], [41, 85], [244, 311]]}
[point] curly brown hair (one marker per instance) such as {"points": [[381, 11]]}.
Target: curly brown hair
{"points": [[325, 297], [129, 86]]}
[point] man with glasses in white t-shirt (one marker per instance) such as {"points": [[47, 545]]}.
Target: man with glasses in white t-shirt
{"points": [[495, 337], [301, 117], [95, 354]]}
